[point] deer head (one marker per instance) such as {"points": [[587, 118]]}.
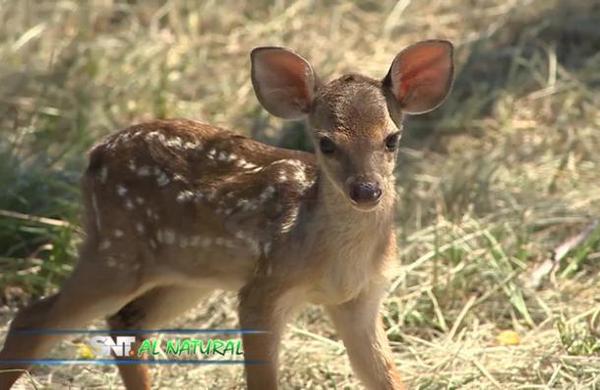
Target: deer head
{"points": [[355, 121]]}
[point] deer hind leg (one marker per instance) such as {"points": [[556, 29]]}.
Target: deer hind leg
{"points": [[92, 291], [152, 310]]}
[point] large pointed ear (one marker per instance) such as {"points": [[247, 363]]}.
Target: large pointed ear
{"points": [[421, 76], [283, 81]]}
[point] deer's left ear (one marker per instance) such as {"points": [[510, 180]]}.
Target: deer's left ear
{"points": [[421, 76], [283, 81]]}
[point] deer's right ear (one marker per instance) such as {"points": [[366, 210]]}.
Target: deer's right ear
{"points": [[284, 82]]}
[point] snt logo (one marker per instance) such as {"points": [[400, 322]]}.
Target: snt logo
{"points": [[120, 345]]}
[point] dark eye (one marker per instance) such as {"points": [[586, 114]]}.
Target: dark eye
{"points": [[391, 142], [326, 145]]}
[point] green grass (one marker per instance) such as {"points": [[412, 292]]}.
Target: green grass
{"points": [[488, 185]]}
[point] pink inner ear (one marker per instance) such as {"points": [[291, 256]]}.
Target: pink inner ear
{"points": [[421, 75], [288, 76]]}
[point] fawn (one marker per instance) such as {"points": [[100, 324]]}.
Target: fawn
{"points": [[176, 208]]}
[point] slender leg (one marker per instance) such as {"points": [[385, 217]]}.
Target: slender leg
{"points": [[151, 311], [359, 325], [91, 292], [265, 306]]}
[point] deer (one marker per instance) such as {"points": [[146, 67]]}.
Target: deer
{"points": [[174, 209]]}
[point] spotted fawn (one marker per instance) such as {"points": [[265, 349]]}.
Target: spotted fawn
{"points": [[175, 209]]}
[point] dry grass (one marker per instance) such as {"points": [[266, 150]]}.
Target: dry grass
{"points": [[488, 185]]}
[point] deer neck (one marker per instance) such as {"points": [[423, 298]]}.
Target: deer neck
{"points": [[346, 244]]}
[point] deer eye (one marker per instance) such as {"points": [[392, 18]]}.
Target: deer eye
{"points": [[391, 142], [326, 145]]}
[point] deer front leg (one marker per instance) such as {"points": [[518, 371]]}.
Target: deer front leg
{"points": [[359, 325], [264, 306]]}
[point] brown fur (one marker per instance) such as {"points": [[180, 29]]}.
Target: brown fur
{"points": [[177, 208]]}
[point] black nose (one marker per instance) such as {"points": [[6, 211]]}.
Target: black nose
{"points": [[365, 192]]}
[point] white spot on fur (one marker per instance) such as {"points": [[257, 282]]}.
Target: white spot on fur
{"points": [[139, 200], [194, 240], [246, 205], [300, 175], [139, 227], [96, 211], [222, 156], [210, 196], [242, 163], [152, 244], [178, 177], [121, 190], [169, 236], [162, 179], [103, 174], [131, 165], [185, 196], [267, 248], [184, 242], [211, 153], [152, 134], [111, 261], [220, 241], [118, 233], [266, 193], [129, 204], [296, 163], [189, 145], [105, 244], [174, 142], [144, 171], [248, 240], [290, 220]]}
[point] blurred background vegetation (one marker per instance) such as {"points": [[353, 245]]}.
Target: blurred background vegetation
{"points": [[489, 186]]}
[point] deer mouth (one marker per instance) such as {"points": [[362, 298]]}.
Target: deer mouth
{"points": [[364, 206]]}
